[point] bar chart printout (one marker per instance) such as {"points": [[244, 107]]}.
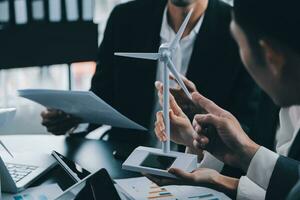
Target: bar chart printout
{"points": [[143, 189], [47, 192]]}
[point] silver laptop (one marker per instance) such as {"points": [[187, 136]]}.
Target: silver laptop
{"points": [[19, 172]]}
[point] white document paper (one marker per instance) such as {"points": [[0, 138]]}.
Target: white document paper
{"points": [[47, 192], [196, 193], [6, 115], [83, 104], [144, 189]]}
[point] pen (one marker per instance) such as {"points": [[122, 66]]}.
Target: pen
{"points": [[6, 149]]}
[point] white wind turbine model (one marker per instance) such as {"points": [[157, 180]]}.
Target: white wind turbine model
{"points": [[157, 161], [165, 55]]}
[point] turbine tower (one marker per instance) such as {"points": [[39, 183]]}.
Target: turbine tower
{"points": [[164, 55]]}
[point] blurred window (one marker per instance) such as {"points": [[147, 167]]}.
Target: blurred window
{"points": [[47, 77]]}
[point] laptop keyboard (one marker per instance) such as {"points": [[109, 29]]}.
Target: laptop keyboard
{"points": [[18, 172]]}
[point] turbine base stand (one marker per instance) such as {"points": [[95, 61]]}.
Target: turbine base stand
{"points": [[156, 162]]}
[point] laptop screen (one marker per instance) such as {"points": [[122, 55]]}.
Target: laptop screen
{"points": [[95, 187]]}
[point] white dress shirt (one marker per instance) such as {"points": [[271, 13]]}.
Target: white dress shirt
{"points": [[181, 57], [255, 184], [289, 125]]}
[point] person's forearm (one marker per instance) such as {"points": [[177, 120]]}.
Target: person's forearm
{"points": [[245, 155], [226, 185]]}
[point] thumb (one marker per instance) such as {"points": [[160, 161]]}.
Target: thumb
{"points": [[175, 119], [174, 105], [209, 119], [181, 174]]}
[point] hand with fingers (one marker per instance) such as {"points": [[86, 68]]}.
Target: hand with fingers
{"points": [[182, 131], [233, 146], [57, 122], [185, 103], [200, 177]]}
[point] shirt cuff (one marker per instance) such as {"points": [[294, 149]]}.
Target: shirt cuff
{"points": [[79, 129], [248, 190], [261, 167], [211, 162]]}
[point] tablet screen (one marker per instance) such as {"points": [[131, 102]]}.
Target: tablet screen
{"points": [[158, 161]]}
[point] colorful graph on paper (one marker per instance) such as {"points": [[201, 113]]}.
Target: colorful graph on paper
{"points": [[45, 192], [156, 192], [29, 197], [144, 189]]}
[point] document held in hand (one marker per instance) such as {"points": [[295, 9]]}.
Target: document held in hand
{"points": [[83, 104]]}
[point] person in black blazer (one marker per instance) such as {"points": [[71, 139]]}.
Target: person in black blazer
{"points": [[270, 48], [128, 84]]}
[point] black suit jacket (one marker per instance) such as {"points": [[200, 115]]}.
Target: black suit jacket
{"points": [[215, 66], [286, 171], [295, 193], [283, 179]]}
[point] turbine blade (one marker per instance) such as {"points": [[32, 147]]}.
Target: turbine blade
{"points": [[147, 56], [177, 76], [179, 34]]}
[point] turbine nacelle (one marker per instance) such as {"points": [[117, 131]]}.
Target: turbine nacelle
{"points": [[165, 52]]}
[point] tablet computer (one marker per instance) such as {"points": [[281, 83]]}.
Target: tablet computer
{"points": [[96, 186], [75, 171], [154, 161]]}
